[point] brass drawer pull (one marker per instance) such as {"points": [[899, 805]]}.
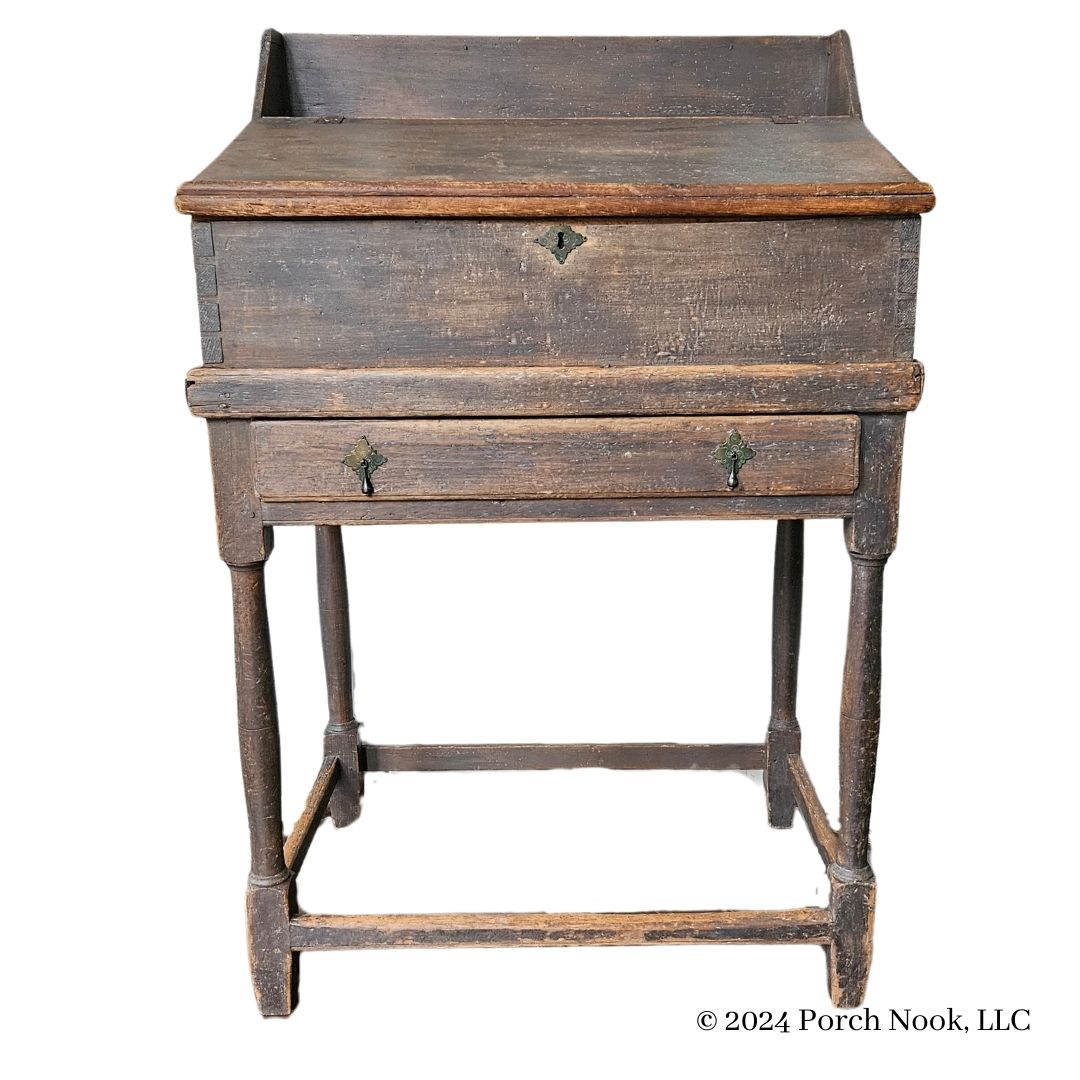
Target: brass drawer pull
{"points": [[733, 455], [364, 459]]}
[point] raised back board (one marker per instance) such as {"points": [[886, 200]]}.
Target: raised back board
{"points": [[366, 77]]}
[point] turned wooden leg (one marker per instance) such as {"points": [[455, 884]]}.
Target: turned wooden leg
{"points": [[341, 738], [270, 896], [783, 735], [851, 878]]}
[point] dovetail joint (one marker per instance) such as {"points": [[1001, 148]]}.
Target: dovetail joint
{"points": [[907, 280], [206, 287]]}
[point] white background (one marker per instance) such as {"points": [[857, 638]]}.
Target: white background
{"points": [[124, 839]]}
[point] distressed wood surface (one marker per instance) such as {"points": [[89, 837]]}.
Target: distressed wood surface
{"points": [[512, 756], [813, 813], [851, 906], [271, 203], [256, 703], [242, 537], [783, 738], [632, 456], [274, 966], [444, 293], [860, 711], [442, 511], [311, 817], [281, 167], [272, 95], [750, 262], [841, 91], [872, 529], [477, 390], [202, 245], [340, 740], [709, 156], [372, 76], [807, 925]]}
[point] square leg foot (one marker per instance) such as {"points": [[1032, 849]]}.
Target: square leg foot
{"points": [[852, 912], [275, 968]]}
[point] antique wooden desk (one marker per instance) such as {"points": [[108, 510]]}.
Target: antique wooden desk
{"points": [[447, 279]]}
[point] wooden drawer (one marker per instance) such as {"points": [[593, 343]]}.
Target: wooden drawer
{"points": [[507, 459], [393, 293]]}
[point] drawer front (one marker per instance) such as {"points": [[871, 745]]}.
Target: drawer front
{"points": [[390, 293], [507, 459]]}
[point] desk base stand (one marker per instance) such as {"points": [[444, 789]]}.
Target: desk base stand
{"points": [[278, 931]]}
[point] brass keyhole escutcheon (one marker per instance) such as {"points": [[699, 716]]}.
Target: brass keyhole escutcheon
{"points": [[560, 240], [364, 459], [732, 455]]}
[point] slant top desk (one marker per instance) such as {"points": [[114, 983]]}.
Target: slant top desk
{"points": [[521, 279]]}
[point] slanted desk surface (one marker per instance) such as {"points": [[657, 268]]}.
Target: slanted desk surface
{"points": [[300, 166]]}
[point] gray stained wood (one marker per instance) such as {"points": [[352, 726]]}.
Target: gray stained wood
{"points": [[242, 540], [298, 167], [851, 907], [384, 293], [446, 77], [813, 813], [367, 267], [784, 738], [442, 511], [272, 83], [311, 817], [473, 757], [555, 156], [342, 729], [807, 925], [631, 457], [474, 390]]}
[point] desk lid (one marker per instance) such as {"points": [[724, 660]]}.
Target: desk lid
{"points": [[452, 127]]}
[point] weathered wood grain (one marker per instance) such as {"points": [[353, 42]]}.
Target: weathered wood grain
{"points": [[841, 91], [476, 390], [631, 456], [806, 925], [358, 75], [311, 817], [260, 746], [783, 738], [442, 293], [242, 537], [280, 167], [872, 528], [202, 243], [860, 711], [441, 511], [849, 955], [342, 731], [272, 97], [750, 262], [232, 202], [813, 813], [470, 757], [907, 280], [716, 156], [275, 967]]}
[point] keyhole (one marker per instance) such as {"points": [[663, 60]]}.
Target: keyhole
{"points": [[559, 240]]}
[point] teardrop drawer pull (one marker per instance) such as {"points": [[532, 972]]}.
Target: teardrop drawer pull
{"points": [[733, 455], [364, 459]]}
